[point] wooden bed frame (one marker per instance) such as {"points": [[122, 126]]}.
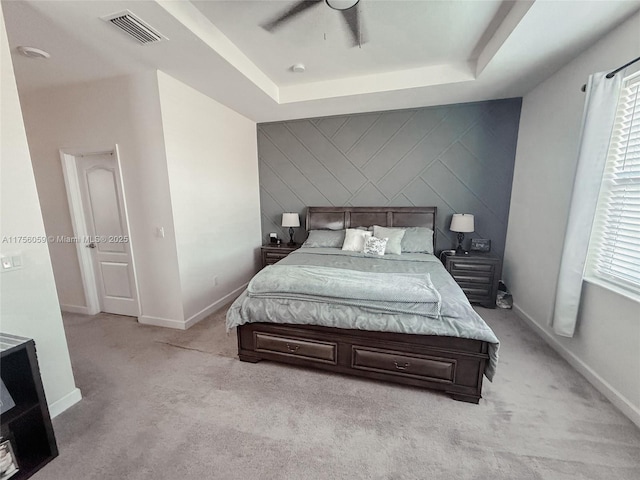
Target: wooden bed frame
{"points": [[453, 365]]}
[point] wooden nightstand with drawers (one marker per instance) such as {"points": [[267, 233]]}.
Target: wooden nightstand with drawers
{"points": [[477, 274], [274, 253]]}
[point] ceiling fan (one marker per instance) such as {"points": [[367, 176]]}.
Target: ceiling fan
{"points": [[348, 9]]}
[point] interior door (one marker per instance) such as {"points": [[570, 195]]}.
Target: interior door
{"points": [[105, 215]]}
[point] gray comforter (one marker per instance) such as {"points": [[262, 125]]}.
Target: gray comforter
{"points": [[456, 319], [379, 291]]}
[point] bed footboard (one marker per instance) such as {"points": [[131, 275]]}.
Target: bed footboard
{"points": [[450, 364]]}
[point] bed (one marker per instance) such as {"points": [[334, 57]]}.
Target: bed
{"points": [[451, 350]]}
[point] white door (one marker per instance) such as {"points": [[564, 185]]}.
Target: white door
{"points": [[108, 235]]}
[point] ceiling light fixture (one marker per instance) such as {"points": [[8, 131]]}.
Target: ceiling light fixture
{"points": [[347, 8], [33, 52], [341, 4], [298, 68]]}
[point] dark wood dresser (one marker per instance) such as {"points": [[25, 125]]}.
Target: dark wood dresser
{"points": [[274, 253], [477, 274]]}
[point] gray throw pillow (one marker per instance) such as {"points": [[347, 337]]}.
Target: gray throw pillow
{"points": [[324, 238], [394, 244], [417, 240]]}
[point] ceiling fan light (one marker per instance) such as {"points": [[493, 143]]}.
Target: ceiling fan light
{"points": [[342, 4]]}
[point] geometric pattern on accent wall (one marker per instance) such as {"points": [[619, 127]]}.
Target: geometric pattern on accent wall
{"points": [[459, 158]]}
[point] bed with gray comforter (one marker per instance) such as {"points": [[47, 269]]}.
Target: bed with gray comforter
{"points": [[410, 293]]}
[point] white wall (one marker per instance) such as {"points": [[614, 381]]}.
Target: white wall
{"points": [[191, 169], [96, 116], [606, 347], [213, 176], [29, 306]]}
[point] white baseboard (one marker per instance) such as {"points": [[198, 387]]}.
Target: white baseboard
{"points": [[162, 322], [74, 309], [70, 399], [214, 306], [205, 312], [613, 395]]}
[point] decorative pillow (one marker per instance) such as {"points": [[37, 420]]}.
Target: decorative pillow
{"points": [[417, 240], [324, 238], [354, 239], [394, 244], [375, 246]]}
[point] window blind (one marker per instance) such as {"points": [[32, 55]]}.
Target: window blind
{"points": [[614, 250]]}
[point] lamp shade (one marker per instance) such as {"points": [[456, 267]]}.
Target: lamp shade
{"points": [[290, 220], [462, 222]]}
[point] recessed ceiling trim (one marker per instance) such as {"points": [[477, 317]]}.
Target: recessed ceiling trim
{"points": [[201, 26], [380, 82], [502, 33]]}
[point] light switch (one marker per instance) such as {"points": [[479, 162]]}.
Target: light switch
{"points": [[6, 263], [16, 260], [160, 232]]}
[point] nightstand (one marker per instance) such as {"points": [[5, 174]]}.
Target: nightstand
{"points": [[477, 274], [274, 253]]}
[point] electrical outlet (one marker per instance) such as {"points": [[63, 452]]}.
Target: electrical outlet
{"points": [[6, 263]]}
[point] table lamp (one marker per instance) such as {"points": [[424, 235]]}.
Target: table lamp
{"points": [[290, 220], [461, 223]]}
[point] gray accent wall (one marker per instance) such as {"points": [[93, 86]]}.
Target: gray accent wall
{"points": [[458, 158]]}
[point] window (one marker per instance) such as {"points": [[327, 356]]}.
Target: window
{"points": [[614, 249]]}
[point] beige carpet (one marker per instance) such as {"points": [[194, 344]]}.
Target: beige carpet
{"points": [[164, 404]]}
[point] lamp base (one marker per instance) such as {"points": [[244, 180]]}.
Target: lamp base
{"points": [[291, 242], [459, 249]]}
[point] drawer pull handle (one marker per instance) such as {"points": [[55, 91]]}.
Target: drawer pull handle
{"points": [[403, 366], [293, 349]]}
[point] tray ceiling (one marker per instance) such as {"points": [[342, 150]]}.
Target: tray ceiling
{"points": [[418, 53]]}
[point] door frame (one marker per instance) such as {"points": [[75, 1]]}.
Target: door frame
{"points": [[69, 158]]}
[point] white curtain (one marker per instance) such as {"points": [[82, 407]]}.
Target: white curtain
{"points": [[597, 125]]}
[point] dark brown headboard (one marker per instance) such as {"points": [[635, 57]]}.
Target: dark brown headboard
{"points": [[338, 218]]}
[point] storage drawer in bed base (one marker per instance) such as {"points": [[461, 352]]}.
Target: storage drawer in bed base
{"points": [[453, 365], [295, 347], [438, 369]]}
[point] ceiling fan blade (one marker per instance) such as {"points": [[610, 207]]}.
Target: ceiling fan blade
{"points": [[297, 9], [352, 17]]}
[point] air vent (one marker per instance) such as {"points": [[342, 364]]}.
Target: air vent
{"points": [[134, 27]]}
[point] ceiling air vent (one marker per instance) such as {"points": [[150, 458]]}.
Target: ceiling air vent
{"points": [[134, 27]]}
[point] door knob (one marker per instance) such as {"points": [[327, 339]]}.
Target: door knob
{"points": [[91, 245]]}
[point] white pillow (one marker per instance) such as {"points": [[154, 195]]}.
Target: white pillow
{"points": [[354, 239], [375, 246]]}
